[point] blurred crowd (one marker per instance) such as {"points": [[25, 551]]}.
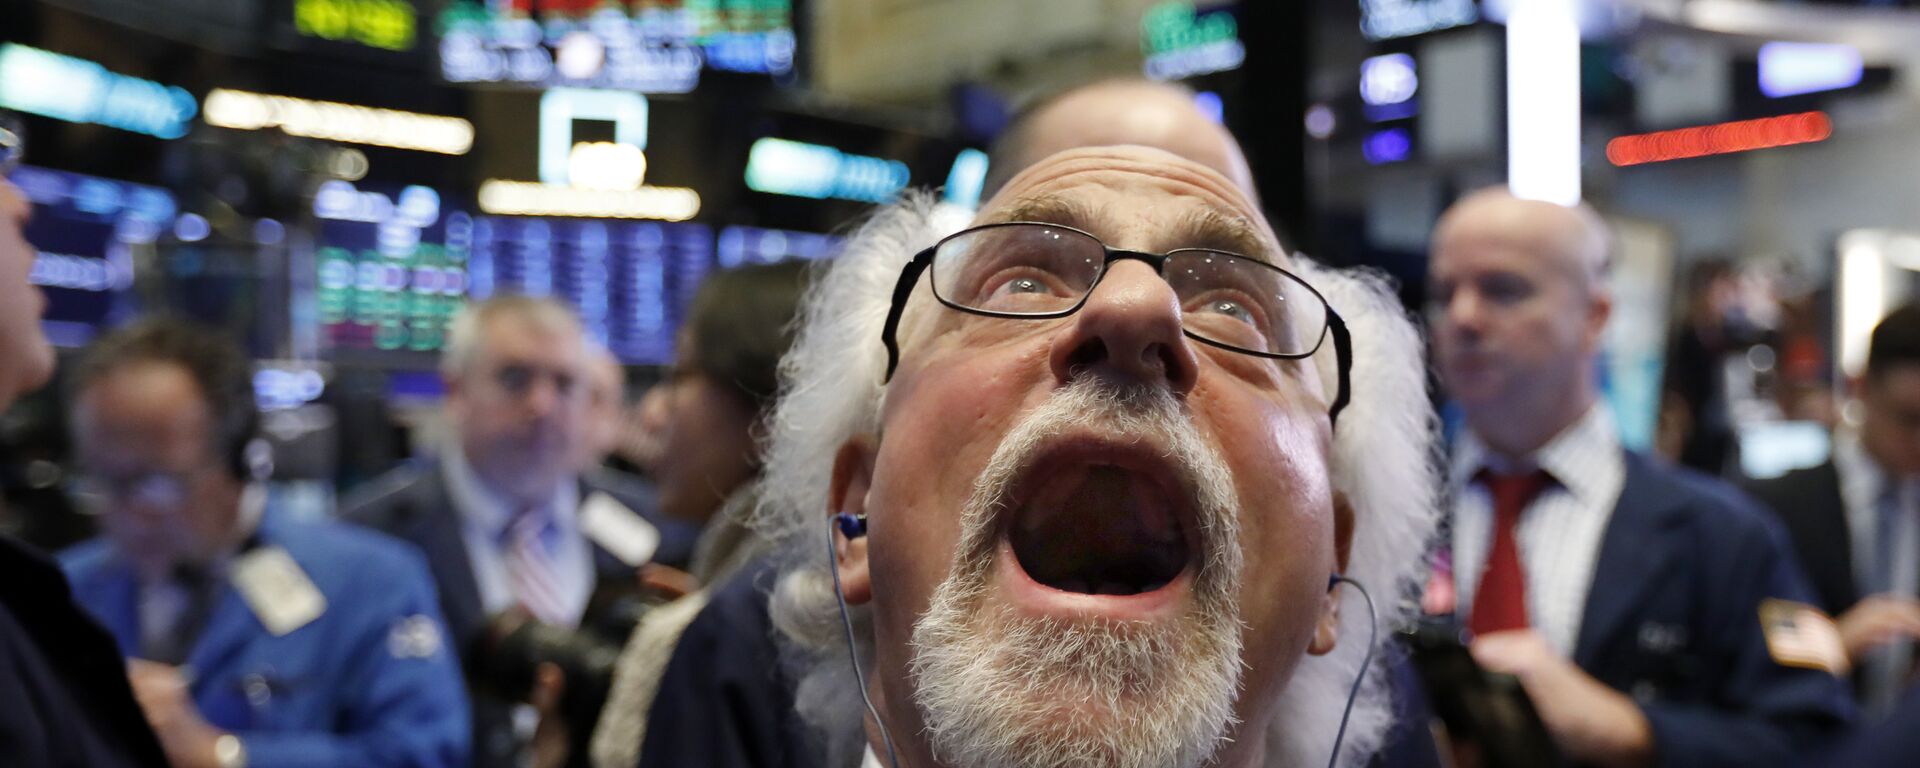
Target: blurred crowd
{"points": [[1093, 476]]}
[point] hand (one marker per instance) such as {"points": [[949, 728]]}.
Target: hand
{"points": [[162, 692], [1589, 721], [667, 581], [552, 740], [1876, 621]]}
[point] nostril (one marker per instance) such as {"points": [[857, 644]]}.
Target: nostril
{"points": [[1087, 355]]}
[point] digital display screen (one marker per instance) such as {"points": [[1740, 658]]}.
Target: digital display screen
{"points": [[630, 281], [85, 229], [392, 266]]}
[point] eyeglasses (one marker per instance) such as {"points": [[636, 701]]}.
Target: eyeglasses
{"points": [[159, 489], [13, 144], [1028, 270]]}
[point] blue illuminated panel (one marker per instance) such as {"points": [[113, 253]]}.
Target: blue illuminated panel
{"points": [[84, 228], [631, 281]]}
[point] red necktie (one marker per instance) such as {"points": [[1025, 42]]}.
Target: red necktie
{"points": [[1500, 602]]}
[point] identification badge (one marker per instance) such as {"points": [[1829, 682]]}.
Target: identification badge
{"points": [[277, 590], [1799, 635], [618, 529]]}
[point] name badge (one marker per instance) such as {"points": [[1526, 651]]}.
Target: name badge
{"points": [[277, 590], [618, 529]]}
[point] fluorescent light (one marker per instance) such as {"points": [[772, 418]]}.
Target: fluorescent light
{"points": [[526, 198], [1791, 69], [1862, 298], [80, 91], [1543, 101], [333, 121], [964, 182], [783, 167]]}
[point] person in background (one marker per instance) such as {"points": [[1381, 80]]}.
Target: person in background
{"points": [[513, 530], [1646, 610], [715, 403], [1855, 519], [64, 698], [606, 383], [255, 639]]}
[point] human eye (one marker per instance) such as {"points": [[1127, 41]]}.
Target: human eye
{"points": [[1506, 288]]}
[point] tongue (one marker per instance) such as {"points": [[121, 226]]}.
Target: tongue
{"points": [[1101, 530]]}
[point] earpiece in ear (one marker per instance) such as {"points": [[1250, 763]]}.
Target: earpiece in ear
{"points": [[1334, 580], [851, 526]]}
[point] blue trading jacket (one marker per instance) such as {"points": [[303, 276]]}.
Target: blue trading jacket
{"points": [[369, 683]]}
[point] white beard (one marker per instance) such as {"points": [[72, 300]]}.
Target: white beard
{"points": [[1002, 691]]}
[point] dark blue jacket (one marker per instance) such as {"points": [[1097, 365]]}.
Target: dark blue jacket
{"points": [[64, 697], [1673, 620], [368, 683]]}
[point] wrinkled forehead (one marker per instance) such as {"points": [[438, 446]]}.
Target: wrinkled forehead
{"points": [[1137, 198]]}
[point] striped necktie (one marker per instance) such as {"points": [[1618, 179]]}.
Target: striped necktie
{"points": [[530, 566]]}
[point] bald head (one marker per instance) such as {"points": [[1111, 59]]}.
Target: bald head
{"points": [[1113, 113], [1573, 238], [1518, 304]]}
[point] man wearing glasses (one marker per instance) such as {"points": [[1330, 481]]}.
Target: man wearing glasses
{"points": [[254, 638], [63, 698], [1091, 468]]}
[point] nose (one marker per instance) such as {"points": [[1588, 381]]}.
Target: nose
{"points": [[1129, 329], [1463, 312]]}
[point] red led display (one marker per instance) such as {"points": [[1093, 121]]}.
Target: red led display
{"points": [[1720, 139]]}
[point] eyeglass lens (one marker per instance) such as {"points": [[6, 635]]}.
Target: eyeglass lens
{"points": [[1041, 270]]}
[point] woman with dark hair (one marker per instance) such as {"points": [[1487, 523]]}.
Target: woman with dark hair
{"points": [[710, 408]]}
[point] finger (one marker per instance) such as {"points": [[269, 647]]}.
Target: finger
{"points": [[549, 683]]}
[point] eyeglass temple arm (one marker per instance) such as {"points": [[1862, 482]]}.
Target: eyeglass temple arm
{"points": [[909, 277], [1343, 358]]}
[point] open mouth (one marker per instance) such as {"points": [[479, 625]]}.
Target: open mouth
{"points": [[1097, 526]]}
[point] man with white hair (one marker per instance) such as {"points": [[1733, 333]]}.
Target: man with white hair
{"points": [[1652, 615], [1090, 501]]}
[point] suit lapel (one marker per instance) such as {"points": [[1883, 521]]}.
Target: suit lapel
{"points": [[436, 528], [1635, 556]]}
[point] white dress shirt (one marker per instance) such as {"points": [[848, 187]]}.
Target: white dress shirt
{"points": [[1559, 532], [484, 516], [1863, 485]]}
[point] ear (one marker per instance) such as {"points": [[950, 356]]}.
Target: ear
{"points": [[1326, 632], [852, 476], [1598, 314]]}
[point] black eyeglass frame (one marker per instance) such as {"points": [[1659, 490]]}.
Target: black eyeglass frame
{"points": [[910, 277]]}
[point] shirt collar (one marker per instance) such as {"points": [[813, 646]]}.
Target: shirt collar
{"points": [[480, 507], [1567, 457]]}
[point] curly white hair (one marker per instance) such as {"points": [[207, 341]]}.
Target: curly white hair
{"points": [[1384, 462]]}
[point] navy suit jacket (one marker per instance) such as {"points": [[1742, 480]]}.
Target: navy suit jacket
{"points": [[1672, 619], [64, 697], [413, 504]]}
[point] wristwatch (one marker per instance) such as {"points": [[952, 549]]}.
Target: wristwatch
{"points": [[229, 752]]}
